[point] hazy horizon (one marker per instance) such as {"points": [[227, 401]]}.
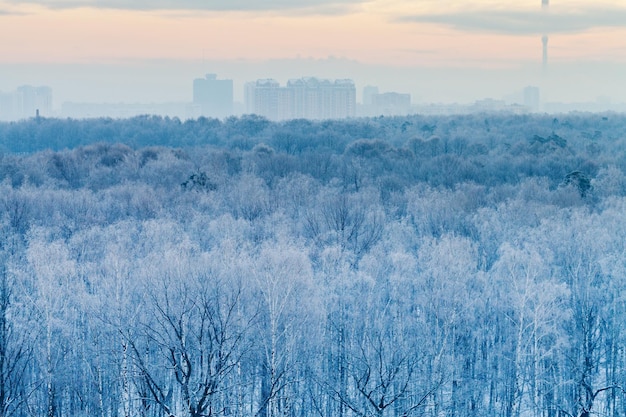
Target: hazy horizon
{"points": [[116, 51]]}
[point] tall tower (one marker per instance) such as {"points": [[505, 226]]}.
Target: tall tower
{"points": [[545, 4], [544, 41]]}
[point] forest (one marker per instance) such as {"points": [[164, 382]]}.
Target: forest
{"points": [[468, 265]]}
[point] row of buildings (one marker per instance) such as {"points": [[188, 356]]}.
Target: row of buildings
{"points": [[303, 98], [26, 101]]}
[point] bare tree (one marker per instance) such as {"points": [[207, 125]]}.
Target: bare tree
{"points": [[16, 347], [194, 335], [387, 353]]}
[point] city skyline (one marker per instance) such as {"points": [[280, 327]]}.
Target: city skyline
{"points": [[308, 97], [119, 51]]}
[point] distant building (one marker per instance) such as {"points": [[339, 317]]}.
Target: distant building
{"points": [[306, 98], [344, 99], [489, 105], [27, 101], [369, 92], [390, 104], [384, 104], [213, 97], [248, 96], [264, 96], [9, 106], [531, 98], [35, 100]]}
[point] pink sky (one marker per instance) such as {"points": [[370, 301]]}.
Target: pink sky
{"points": [[380, 42], [368, 33]]}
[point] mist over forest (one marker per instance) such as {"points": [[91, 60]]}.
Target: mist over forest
{"points": [[386, 267]]}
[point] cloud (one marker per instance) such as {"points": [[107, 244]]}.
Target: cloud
{"points": [[312, 6], [9, 11], [512, 22]]}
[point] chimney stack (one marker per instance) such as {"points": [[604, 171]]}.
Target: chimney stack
{"points": [[544, 39]]}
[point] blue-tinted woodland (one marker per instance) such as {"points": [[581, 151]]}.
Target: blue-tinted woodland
{"points": [[386, 267]]}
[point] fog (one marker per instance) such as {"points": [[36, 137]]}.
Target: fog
{"points": [[160, 81], [116, 51]]}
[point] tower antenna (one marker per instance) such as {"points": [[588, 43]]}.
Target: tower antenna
{"points": [[545, 4], [544, 41]]}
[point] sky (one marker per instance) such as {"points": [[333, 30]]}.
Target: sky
{"points": [[437, 50]]}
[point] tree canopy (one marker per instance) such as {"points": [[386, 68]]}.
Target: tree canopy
{"points": [[389, 267]]}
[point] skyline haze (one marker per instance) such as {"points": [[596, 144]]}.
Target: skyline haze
{"points": [[123, 51]]}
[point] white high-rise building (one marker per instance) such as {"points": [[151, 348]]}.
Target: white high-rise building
{"points": [[265, 98], [307, 98], [344, 99]]}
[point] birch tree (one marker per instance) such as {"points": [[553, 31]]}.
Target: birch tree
{"points": [[53, 284], [283, 282], [536, 310]]}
